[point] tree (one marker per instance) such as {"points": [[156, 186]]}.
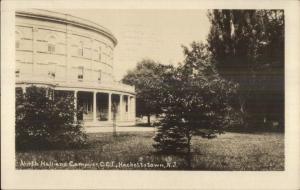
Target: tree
{"points": [[248, 48], [195, 101], [45, 120], [146, 78]]}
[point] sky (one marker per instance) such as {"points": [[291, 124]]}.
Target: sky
{"points": [[153, 34]]}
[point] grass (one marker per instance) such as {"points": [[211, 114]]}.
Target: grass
{"points": [[133, 150]]}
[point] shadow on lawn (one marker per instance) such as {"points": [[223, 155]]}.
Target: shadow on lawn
{"points": [[227, 152]]}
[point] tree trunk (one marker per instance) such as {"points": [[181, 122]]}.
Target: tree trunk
{"points": [[189, 154], [242, 105], [242, 109], [149, 123]]}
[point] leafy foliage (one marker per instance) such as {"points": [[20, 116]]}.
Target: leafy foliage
{"points": [[171, 137], [195, 100], [45, 120], [147, 80], [248, 48]]}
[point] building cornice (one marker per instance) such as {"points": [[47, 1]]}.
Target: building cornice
{"points": [[117, 87], [66, 19]]}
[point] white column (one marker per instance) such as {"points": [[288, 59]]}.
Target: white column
{"points": [[121, 108], [129, 108], [133, 108], [94, 106], [23, 89], [109, 106], [75, 104]]}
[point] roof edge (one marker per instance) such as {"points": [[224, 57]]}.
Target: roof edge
{"points": [[66, 19]]}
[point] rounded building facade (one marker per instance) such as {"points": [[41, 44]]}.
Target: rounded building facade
{"points": [[75, 55]]}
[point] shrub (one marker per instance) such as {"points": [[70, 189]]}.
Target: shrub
{"points": [[170, 137], [45, 120], [195, 101]]}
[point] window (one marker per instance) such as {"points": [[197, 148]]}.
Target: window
{"points": [[18, 39], [17, 44], [80, 49], [87, 106], [50, 94], [51, 44], [80, 73], [51, 70], [51, 74], [17, 72], [51, 48]]}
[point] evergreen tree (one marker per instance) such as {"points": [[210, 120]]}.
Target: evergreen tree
{"points": [[195, 101]]}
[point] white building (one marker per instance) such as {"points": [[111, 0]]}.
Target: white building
{"points": [[72, 54]]}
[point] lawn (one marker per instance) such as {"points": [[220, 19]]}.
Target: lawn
{"points": [[133, 150]]}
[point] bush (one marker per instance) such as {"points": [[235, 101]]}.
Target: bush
{"points": [[195, 101], [45, 120], [171, 136]]}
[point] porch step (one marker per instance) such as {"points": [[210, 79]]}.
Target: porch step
{"points": [[104, 124], [108, 124]]}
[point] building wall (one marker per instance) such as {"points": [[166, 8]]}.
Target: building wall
{"points": [[60, 52], [72, 54]]}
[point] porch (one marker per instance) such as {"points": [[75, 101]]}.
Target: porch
{"points": [[101, 109]]}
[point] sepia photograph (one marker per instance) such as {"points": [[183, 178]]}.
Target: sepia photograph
{"points": [[150, 95], [150, 89]]}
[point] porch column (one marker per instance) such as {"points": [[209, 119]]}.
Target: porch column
{"points": [[109, 106], [75, 104], [133, 108], [94, 106], [121, 108], [23, 89], [129, 108]]}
